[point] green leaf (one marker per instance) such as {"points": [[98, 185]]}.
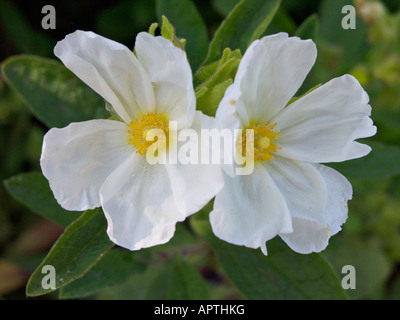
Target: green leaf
{"points": [[54, 94], [216, 78], [168, 32], [283, 274], [178, 281], [370, 263], [152, 28], [309, 28], [382, 161], [32, 190], [208, 102], [189, 25], [246, 23], [77, 250], [114, 268]]}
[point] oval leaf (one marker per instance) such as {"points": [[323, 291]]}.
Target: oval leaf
{"points": [[54, 94], [246, 23], [80, 247]]}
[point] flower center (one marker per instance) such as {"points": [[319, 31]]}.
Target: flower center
{"points": [[263, 143], [141, 129]]}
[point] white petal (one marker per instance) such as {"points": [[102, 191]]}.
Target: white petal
{"points": [[78, 158], [312, 235], [139, 205], [322, 126], [194, 185], [270, 73], [249, 210], [110, 69], [301, 185], [171, 76]]}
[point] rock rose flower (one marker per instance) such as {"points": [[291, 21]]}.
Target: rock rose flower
{"points": [[103, 162], [289, 193]]}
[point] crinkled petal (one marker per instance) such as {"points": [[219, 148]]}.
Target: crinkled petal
{"points": [[78, 158], [139, 204], [171, 76], [311, 234], [195, 184], [110, 69], [323, 125], [270, 73], [301, 185], [250, 210]]}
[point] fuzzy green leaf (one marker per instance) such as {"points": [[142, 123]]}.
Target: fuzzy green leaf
{"points": [[54, 94]]}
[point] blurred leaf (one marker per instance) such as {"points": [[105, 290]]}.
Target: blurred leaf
{"points": [[114, 268], [12, 277], [36, 239], [388, 123], [121, 20], [81, 246], [135, 288], [394, 292], [282, 22], [25, 38], [223, 7], [56, 96], [32, 190], [372, 267], [347, 44], [283, 274], [383, 161], [189, 25], [178, 281], [309, 28], [246, 23]]}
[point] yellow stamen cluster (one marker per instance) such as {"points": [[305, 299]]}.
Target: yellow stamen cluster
{"points": [[264, 141], [140, 127]]}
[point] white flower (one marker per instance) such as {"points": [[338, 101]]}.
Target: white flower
{"points": [[289, 193], [103, 163]]}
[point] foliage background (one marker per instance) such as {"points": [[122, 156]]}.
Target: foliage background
{"points": [[370, 239]]}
